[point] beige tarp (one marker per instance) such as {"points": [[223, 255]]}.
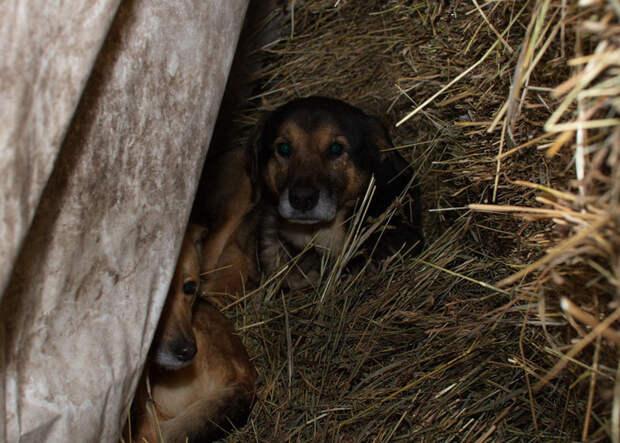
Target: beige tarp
{"points": [[106, 112]]}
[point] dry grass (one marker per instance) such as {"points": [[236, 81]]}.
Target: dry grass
{"points": [[505, 328]]}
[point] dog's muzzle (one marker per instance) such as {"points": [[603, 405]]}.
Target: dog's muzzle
{"points": [[307, 205], [177, 354], [303, 198]]}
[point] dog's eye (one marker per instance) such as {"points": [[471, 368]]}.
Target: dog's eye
{"points": [[335, 149], [189, 287], [284, 149]]}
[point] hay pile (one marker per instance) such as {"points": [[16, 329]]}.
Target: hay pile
{"points": [[505, 328]]}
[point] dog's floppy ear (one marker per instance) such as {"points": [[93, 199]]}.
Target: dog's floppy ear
{"points": [[378, 133], [391, 177], [198, 235], [394, 177]]}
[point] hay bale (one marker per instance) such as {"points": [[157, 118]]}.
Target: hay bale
{"points": [[505, 328]]}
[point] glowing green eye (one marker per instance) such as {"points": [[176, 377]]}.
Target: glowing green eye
{"points": [[284, 149], [189, 287], [336, 149]]}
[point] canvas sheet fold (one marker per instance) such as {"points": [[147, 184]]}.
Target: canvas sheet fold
{"points": [[107, 110]]}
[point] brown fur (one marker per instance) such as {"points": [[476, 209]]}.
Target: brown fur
{"points": [[224, 204], [206, 399], [228, 196], [250, 197], [213, 392], [236, 268]]}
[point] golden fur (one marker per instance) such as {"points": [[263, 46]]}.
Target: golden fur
{"points": [[203, 397]]}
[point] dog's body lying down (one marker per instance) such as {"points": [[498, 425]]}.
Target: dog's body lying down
{"points": [[200, 376], [202, 401]]}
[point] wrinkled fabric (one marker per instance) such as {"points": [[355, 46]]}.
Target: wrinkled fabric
{"points": [[48, 51], [106, 112]]}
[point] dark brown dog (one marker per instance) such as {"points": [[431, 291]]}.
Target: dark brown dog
{"points": [[297, 184], [200, 376], [313, 160]]}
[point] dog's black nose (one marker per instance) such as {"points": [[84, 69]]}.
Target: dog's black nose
{"points": [[303, 198], [185, 350]]}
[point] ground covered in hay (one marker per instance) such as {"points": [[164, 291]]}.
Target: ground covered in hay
{"points": [[504, 328]]}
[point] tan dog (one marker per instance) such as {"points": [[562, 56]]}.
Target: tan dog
{"points": [[201, 379]]}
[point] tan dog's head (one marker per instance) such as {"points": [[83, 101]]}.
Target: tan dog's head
{"points": [[314, 156], [174, 345]]}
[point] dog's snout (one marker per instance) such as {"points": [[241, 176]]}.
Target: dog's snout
{"points": [[303, 198], [185, 350]]}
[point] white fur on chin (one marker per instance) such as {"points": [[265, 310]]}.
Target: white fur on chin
{"points": [[323, 212]]}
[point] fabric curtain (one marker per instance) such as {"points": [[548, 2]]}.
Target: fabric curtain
{"points": [[106, 112]]}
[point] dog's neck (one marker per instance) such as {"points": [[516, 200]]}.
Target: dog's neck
{"points": [[324, 236], [327, 236]]}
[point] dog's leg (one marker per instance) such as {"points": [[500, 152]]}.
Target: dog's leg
{"points": [[272, 254], [215, 244], [304, 270]]}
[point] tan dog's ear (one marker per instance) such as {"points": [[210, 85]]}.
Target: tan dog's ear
{"points": [[198, 235]]}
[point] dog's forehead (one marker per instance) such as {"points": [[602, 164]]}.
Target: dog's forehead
{"points": [[319, 133], [312, 118], [188, 263], [321, 124]]}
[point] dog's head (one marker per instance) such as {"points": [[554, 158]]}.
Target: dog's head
{"points": [[314, 156], [174, 345]]}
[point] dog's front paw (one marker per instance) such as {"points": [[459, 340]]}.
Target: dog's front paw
{"points": [[297, 280]]}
